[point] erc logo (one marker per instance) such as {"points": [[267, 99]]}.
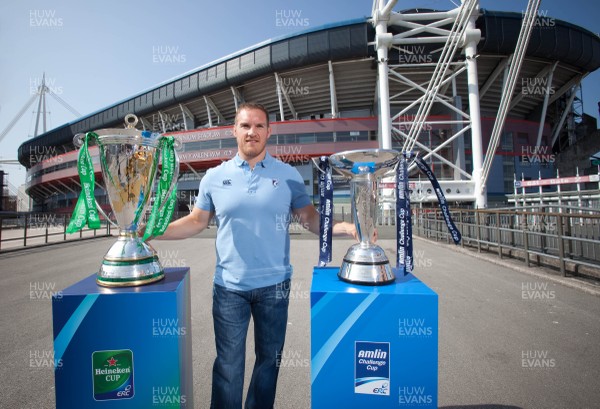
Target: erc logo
{"points": [[112, 374]]}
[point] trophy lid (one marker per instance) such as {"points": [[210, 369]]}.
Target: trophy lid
{"points": [[129, 134], [377, 161]]}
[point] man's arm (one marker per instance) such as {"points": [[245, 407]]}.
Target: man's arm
{"points": [[187, 226], [309, 219]]}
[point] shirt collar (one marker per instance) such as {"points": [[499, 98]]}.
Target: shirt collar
{"points": [[239, 162]]}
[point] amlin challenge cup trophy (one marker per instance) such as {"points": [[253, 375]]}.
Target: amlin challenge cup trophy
{"points": [[365, 262], [129, 160]]}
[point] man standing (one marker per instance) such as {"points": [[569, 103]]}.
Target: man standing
{"points": [[249, 196]]}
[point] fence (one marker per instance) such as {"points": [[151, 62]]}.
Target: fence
{"points": [[19, 229], [568, 239]]}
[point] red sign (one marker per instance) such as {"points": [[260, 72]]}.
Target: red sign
{"points": [[557, 181], [392, 185]]}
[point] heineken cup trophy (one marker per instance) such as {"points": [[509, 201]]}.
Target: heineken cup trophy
{"points": [[129, 160], [365, 262]]}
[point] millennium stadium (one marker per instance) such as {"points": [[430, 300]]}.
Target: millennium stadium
{"points": [[481, 95]]}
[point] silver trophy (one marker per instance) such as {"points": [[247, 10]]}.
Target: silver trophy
{"points": [[129, 159], [365, 262]]}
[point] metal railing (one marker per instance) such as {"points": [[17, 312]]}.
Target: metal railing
{"points": [[19, 229], [564, 240]]}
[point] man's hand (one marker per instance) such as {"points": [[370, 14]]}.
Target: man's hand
{"points": [[350, 230], [309, 217], [141, 230], [187, 226], [346, 228]]}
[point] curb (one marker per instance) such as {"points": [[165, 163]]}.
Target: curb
{"points": [[533, 271], [53, 243]]}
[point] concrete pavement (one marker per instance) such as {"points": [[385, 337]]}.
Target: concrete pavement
{"points": [[507, 339]]}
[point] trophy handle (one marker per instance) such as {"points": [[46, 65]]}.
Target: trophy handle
{"points": [[176, 146], [316, 163], [101, 211], [78, 142]]}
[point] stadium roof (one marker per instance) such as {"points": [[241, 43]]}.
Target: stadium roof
{"points": [[304, 58]]}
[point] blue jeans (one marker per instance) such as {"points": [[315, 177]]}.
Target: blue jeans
{"points": [[231, 316]]}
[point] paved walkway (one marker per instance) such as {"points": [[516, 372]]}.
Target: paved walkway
{"points": [[508, 339]]}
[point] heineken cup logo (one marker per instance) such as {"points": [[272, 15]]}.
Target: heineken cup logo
{"points": [[113, 374]]}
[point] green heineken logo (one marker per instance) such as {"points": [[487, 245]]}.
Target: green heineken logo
{"points": [[113, 374]]}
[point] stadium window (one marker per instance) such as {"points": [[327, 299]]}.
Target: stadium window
{"points": [[287, 139], [523, 138], [306, 138], [507, 141], [232, 142], [324, 137], [344, 137]]}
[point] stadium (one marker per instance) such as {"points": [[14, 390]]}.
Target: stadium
{"points": [[323, 89]]}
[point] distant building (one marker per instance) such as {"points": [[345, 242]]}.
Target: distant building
{"points": [[8, 202]]}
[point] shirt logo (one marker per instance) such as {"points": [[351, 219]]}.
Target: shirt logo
{"points": [[226, 182], [275, 182]]}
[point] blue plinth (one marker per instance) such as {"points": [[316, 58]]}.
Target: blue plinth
{"points": [[124, 347], [373, 346]]}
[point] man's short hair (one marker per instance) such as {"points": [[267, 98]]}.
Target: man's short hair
{"points": [[252, 105]]}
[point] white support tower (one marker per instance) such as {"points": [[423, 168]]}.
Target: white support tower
{"points": [[416, 72], [412, 90]]}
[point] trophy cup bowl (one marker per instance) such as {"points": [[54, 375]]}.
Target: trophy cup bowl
{"points": [[129, 159], [365, 262]]}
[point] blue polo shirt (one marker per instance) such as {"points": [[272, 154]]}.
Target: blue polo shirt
{"points": [[253, 211]]}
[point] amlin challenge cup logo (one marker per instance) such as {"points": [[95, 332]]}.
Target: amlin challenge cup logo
{"points": [[113, 374], [372, 368]]}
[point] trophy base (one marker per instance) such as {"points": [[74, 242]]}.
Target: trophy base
{"points": [[129, 262], [366, 265]]}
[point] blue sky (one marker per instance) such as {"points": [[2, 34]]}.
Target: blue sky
{"points": [[95, 53]]}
